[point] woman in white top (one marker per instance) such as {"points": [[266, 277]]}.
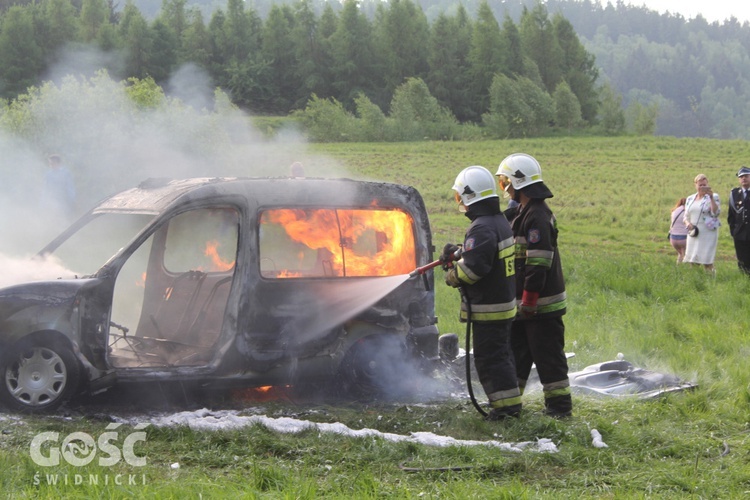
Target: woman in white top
{"points": [[701, 218]]}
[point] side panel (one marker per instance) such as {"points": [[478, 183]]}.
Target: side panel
{"points": [[283, 318]]}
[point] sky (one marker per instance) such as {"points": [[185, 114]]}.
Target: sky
{"points": [[714, 10]]}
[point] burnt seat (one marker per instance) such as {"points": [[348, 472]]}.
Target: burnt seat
{"points": [[189, 315]]}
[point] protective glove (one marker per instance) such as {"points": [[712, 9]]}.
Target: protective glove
{"points": [[449, 255], [451, 278], [528, 304]]}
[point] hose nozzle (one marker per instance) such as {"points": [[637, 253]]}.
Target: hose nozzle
{"points": [[421, 270]]}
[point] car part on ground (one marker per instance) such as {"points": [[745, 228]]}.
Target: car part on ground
{"points": [[615, 378], [619, 378]]}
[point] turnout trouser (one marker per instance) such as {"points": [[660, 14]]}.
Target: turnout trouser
{"points": [[742, 250], [541, 341], [493, 360]]}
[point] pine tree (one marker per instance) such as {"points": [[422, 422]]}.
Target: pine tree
{"points": [[449, 75], [401, 37], [278, 51], [567, 107], [164, 48], [94, 14], [58, 27], [352, 56], [136, 40], [196, 45], [21, 58], [540, 44], [485, 57], [311, 60], [579, 68]]}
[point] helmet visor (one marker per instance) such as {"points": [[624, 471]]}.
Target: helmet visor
{"points": [[461, 206], [503, 181]]}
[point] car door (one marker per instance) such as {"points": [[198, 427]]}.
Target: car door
{"points": [[171, 294]]}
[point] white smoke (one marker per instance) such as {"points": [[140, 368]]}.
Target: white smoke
{"points": [[110, 143], [26, 269]]}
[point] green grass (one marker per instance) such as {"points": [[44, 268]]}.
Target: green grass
{"points": [[612, 199]]}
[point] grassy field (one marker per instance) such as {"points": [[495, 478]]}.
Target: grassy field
{"points": [[612, 200]]}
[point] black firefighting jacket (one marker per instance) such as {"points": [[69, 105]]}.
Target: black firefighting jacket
{"points": [[486, 266], [538, 267]]}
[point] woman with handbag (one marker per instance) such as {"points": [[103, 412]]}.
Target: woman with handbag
{"points": [[678, 230], [701, 218]]}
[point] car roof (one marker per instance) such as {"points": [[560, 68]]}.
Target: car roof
{"points": [[153, 195], [157, 194]]}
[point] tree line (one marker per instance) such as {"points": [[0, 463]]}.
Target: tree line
{"points": [[513, 79]]}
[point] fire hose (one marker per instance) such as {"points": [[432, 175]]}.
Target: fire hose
{"points": [[422, 270], [468, 350]]}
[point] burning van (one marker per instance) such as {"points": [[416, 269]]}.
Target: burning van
{"points": [[225, 281]]}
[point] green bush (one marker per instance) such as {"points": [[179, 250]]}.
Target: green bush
{"points": [[326, 120], [415, 115], [374, 126]]}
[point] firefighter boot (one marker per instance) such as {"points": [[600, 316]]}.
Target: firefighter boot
{"points": [[558, 406], [506, 412]]}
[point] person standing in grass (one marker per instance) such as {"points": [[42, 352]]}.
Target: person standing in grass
{"points": [[738, 219], [484, 273], [538, 331], [701, 218], [678, 230], [59, 189]]}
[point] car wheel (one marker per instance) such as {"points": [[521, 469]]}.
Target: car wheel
{"points": [[38, 378], [373, 368]]}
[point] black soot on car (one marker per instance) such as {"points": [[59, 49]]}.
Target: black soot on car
{"points": [[231, 282]]}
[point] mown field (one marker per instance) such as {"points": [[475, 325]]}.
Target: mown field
{"points": [[626, 295]]}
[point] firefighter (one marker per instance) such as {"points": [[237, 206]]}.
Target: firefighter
{"points": [[739, 219], [538, 332], [484, 273]]}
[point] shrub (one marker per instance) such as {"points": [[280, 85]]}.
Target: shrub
{"points": [[326, 120]]}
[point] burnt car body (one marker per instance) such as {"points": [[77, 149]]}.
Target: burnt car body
{"points": [[224, 281]]}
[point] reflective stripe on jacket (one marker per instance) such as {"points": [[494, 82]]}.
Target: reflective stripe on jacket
{"points": [[487, 265]]}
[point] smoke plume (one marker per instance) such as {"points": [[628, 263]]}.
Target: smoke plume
{"points": [[111, 141]]}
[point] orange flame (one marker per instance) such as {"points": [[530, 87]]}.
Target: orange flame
{"points": [[288, 274], [262, 394], [355, 242], [212, 252]]}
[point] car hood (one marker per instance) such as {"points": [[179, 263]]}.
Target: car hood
{"points": [[55, 294]]}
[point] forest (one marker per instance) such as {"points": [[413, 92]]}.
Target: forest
{"points": [[516, 68]]}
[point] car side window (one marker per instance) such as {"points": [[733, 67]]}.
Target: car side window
{"points": [[308, 243], [202, 240]]}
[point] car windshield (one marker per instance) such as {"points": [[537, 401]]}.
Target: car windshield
{"points": [[86, 250]]}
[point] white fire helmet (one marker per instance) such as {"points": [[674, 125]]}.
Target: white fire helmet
{"points": [[519, 170], [474, 184]]}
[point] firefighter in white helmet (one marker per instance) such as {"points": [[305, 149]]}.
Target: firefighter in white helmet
{"points": [[538, 332], [484, 272]]}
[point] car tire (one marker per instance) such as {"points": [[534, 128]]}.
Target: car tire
{"points": [[371, 368], [38, 377]]}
